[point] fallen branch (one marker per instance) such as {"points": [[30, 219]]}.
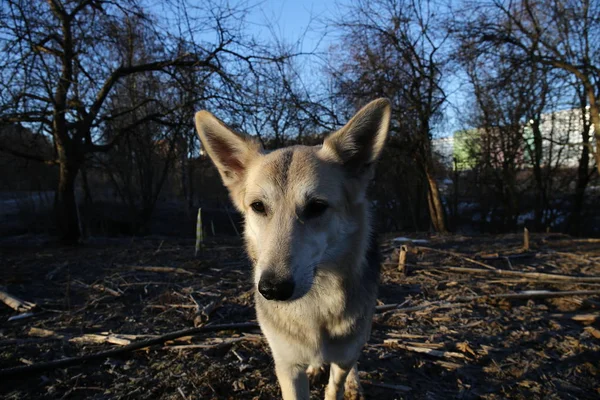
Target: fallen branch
{"points": [[399, 388], [537, 276], [15, 303], [425, 350], [66, 362], [509, 256], [98, 287], [203, 313], [533, 294], [457, 255], [218, 345], [94, 338], [171, 270]]}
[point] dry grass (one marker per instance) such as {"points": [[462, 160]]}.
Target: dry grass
{"points": [[103, 296]]}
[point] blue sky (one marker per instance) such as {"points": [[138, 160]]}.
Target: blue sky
{"points": [[290, 18]]}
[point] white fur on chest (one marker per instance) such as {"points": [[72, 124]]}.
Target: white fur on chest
{"points": [[313, 330]]}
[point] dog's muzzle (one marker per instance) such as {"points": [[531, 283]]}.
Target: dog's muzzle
{"points": [[272, 287]]}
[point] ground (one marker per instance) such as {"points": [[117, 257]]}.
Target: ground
{"points": [[448, 338]]}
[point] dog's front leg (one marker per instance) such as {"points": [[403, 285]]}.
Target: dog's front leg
{"points": [[337, 378], [292, 380]]}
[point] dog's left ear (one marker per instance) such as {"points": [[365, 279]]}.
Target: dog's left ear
{"points": [[359, 143]]}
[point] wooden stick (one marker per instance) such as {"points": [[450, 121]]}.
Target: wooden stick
{"points": [[162, 269], [537, 294], [402, 259], [525, 239], [537, 276], [98, 287], [399, 388], [453, 254], [69, 361], [218, 345], [203, 314], [15, 303], [199, 233], [425, 350]]}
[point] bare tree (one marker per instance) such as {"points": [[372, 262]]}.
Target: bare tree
{"points": [[392, 48], [561, 36], [62, 60]]}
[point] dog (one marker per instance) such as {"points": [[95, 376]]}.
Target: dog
{"points": [[308, 235]]}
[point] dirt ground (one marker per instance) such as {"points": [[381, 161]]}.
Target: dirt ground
{"points": [[453, 333]]}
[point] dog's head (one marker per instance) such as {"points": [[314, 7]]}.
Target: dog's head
{"points": [[300, 203]]}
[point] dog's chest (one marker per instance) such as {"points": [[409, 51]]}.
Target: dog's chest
{"points": [[318, 329]]}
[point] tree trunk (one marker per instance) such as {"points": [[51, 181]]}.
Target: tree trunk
{"points": [[66, 204], [456, 193], [540, 190], [580, 186], [436, 208], [595, 118], [583, 176]]}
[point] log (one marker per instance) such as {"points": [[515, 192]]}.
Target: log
{"points": [[70, 361], [15, 303]]}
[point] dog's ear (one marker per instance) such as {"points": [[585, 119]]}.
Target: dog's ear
{"points": [[359, 143], [230, 151]]}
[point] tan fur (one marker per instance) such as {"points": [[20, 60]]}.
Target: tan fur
{"points": [[327, 320]]}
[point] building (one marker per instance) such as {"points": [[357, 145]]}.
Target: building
{"points": [[561, 143]]}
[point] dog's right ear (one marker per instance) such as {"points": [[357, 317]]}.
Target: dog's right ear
{"points": [[230, 151], [359, 143]]}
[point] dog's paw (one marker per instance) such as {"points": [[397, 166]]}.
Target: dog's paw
{"points": [[353, 395], [352, 388], [315, 374]]}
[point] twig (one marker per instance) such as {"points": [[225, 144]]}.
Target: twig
{"points": [[121, 340], [66, 362], [425, 350], [203, 314], [399, 388], [165, 306], [453, 254], [509, 256], [162, 269], [98, 287], [181, 393], [50, 275], [159, 247]]}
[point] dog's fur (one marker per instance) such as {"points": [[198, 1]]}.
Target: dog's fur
{"points": [[307, 222]]}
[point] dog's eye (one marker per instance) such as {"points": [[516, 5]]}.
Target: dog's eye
{"points": [[258, 207], [315, 208]]}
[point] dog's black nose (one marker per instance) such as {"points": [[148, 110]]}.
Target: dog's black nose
{"points": [[273, 288]]}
